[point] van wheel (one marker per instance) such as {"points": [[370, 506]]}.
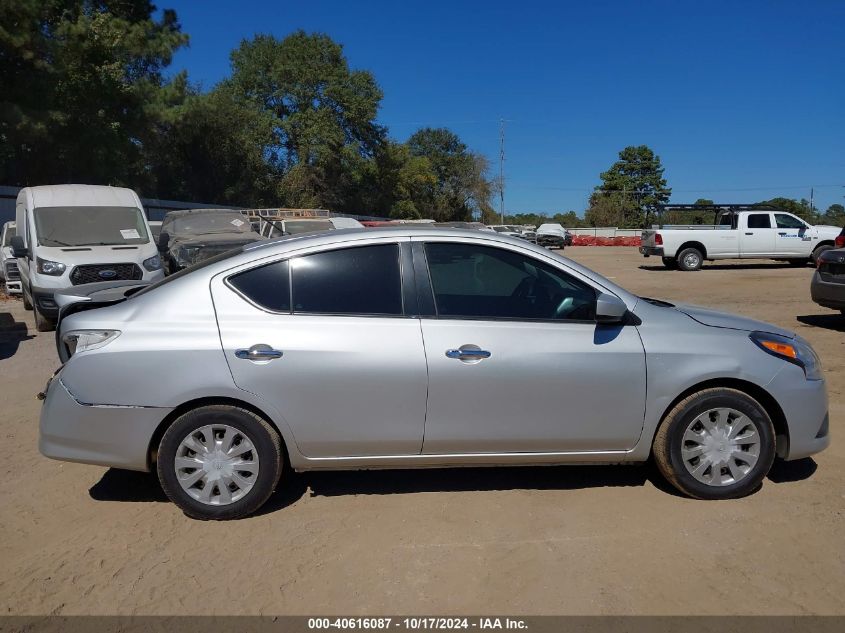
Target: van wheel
{"points": [[690, 259], [670, 262], [219, 462], [42, 323], [715, 444]]}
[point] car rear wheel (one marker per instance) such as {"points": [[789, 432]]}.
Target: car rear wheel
{"points": [[690, 259], [715, 444], [219, 462]]}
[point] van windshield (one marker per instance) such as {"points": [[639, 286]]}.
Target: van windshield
{"points": [[90, 226]]}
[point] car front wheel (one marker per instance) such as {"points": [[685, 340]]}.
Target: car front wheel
{"points": [[219, 462], [690, 259], [715, 444]]}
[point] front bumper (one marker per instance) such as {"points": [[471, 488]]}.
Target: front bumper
{"points": [[805, 407], [14, 287], [827, 293], [551, 240], [648, 251], [105, 435]]}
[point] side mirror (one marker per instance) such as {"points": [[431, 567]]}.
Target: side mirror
{"points": [[19, 249], [610, 309], [163, 241]]}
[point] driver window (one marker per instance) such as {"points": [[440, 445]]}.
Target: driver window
{"points": [[482, 282], [788, 222]]}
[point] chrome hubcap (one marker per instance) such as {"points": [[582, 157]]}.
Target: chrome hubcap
{"points": [[720, 447], [216, 464], [691, 260]]}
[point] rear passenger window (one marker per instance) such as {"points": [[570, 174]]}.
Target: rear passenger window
{"points": [[267, 286], [360, 280], [759, 221]]}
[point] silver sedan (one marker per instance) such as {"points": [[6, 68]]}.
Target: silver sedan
{"points": [[401, 348]]}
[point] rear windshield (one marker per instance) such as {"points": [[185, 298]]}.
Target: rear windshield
{"points": [[10, 233], [90, 226]]}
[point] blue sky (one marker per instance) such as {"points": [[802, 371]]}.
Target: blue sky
{"points": [[743, 101]]}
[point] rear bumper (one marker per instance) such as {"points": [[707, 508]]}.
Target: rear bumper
{"points": [[551, 240], [648, 251], [826, 293], [104, 435]]}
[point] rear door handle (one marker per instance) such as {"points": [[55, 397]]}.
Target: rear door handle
{"points": [[258, 352], [752, 233], [781, 233], [467, 354]]}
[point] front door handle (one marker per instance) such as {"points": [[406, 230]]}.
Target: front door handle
{"points": [[467, 353], [258, 352], [781, 233], [752, 233]]}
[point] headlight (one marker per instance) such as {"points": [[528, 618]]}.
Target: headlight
{"points": [[83, 340], [793, 350], [46, 267], [153, 263]]}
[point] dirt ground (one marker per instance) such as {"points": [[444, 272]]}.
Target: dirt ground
{"points": [[566, 540]]}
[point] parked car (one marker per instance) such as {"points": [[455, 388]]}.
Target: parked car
{"points": [[400, 348], [9, 273], [294, 226], [69, 235], [190, 236], [748, 234], [828, 285], [505, 230], [529, 235], [552, 236]]}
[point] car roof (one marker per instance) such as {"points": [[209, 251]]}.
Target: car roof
{"points": [[185, 212]]}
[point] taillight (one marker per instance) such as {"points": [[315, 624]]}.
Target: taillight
{"points": [[840, 241], [658, 239]]}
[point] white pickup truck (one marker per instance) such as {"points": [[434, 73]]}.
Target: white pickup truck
{"points": [[751, 234]]}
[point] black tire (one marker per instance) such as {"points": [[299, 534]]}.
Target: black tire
{"points": [[27, 303], [690, 259], [819, 250], [670, 262], [263, 437], [669, 440], [798, 262], [42, 323]]}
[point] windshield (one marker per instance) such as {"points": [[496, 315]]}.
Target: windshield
{"points": [[7, 238], [205, 223], [292, 227], [90, 226]]}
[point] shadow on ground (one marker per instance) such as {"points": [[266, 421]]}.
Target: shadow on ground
{"points": [[768, 266], [11, 334], [832, 321], [134, 487]]}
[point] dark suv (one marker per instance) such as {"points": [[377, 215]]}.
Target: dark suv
{"points": [[828, 286]]}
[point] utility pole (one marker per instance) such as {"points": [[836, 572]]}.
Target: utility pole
{"points": [[502, 169]]}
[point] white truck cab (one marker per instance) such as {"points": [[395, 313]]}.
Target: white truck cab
{"points": [[753, 233], [69, 235], [8, 264]]}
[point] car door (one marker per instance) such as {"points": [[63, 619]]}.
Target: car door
{"points": [[757, 236], [516, 361], [792, 236], [323, 337]]}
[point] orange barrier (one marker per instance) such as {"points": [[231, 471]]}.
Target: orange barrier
{"points": [[589, 240]]}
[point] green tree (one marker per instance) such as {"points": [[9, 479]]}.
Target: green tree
{"points": [[801, 208], [324, 113], [632, 188], [211, 149], [462, 187], [835, 215], [82, 85]]}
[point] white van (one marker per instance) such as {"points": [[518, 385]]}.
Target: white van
{"points": [[70, 235]]}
